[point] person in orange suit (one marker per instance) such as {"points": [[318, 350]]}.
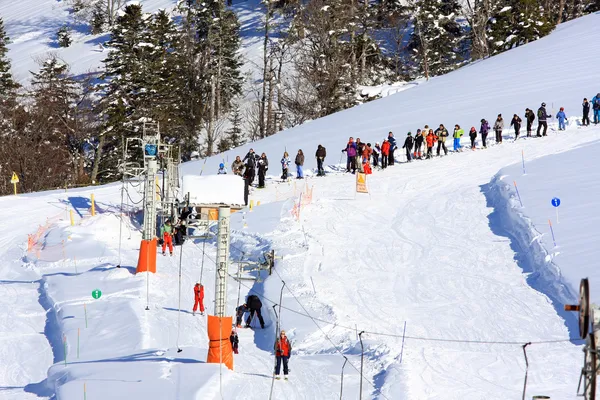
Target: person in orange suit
{"points": [[198, 299], [283, 352], [166, 231]]}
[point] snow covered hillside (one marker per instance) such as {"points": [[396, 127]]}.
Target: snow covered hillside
{"points": [[436, 269]]}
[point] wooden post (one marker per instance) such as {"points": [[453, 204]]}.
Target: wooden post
{"points": [[93, 206]]}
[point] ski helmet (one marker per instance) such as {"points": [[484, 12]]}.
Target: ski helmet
{"points": [[562, 109], [221, 165], [543, 104], [408, 134]]}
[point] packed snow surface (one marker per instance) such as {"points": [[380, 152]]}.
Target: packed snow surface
{"points": [[213, 189], [434, 269]]}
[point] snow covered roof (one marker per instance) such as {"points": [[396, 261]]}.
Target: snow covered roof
{"points": [[214, 189]]}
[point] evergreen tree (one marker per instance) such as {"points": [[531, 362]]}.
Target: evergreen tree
{"points": [[63, 36], [233, 136], [517, 22], [7, 84], [437, 42]]}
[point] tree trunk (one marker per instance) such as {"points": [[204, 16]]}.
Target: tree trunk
{"points": [[97, 158], [210, 135], [262, 115], [561, 8], [270, 122]]}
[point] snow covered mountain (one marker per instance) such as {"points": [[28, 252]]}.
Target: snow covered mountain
{"points": [[446, 274]]}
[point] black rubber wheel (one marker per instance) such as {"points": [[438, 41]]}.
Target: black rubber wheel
{"points": [[584, 310]]}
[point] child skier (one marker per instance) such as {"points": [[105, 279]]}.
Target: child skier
{"points": [[385, 152], [408, 145], [431, 139], [473, 136], [562, 118], [222, 170], [457, 135], [516, 123], [198, 299], [235, 341], [418, 144], [285, 164], [166, 231], [484, 130], [498, 128]]}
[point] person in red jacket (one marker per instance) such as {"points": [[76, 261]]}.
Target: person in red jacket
{"points": [[385, 152], [283, 351], [430, 139], [199, 299]]}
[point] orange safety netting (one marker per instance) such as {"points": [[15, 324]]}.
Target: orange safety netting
{"points": [[147, 259], [219, 346]]}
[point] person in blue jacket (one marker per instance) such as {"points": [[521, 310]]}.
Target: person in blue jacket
{"points": [[596, 108], [562, 117], [392, 141]]}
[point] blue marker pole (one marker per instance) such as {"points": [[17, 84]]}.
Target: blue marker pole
{"points": [[523, 158], [517, 189], [556, 202]]}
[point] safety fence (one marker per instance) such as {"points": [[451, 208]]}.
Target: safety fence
{"points": [[305, 198]]}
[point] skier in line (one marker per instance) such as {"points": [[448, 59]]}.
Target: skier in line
{"points": [[442, 134], [542, 120], [473, 136], [366, 159], [596, 108], [250, 172], [350, 151], [385, 153], [263, 167], [237, 167], [586, 113], [392, 140], [431, 138], [166, 232], [419, 139], [198, 299], [408, 145], [222, 170], [299, 163], [498, 128], [562, 118], [320, 154], [484, 130], [285, 165], [376, 153], [458, 132], [235, 341], [529, 117], [254, 305], [516, 123], [239, 314], [283, 352], [360, 148]]}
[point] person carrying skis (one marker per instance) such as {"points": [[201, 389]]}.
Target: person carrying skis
{"points": [[385, 153], [254, 305], [237, 167], [239, 314], [350, 151], [376, 153], [562, 118], [442, 134], [320, 154], [529, 117], [484, 130], [473, 136], [222, 170], [285, 165], [542, 120], [498, 128], [299, 164], [516, 123], [393, 146], [283, 352], [166, 232], [586, 112], [408, 145], [596, 108], [235, 341], [430, 139], [458, 132], [419, 139], [198, 299]]}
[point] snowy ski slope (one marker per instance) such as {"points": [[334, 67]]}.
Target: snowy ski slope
{"points": [[436, 245]]}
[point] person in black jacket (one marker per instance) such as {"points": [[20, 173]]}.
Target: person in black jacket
{"points": [[408, 145], [516, 123], [235, 341], [254, 304], [529, 117], [586, 113], [263, 166], [419, 139], [392, 141], [473, 137], [320, 154], [542, 120]]}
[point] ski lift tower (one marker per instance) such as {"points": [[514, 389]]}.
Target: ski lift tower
{"points": [[150, 147], [589, 329]]}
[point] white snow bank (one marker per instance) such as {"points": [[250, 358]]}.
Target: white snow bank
{"points": [[215, 189]]}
